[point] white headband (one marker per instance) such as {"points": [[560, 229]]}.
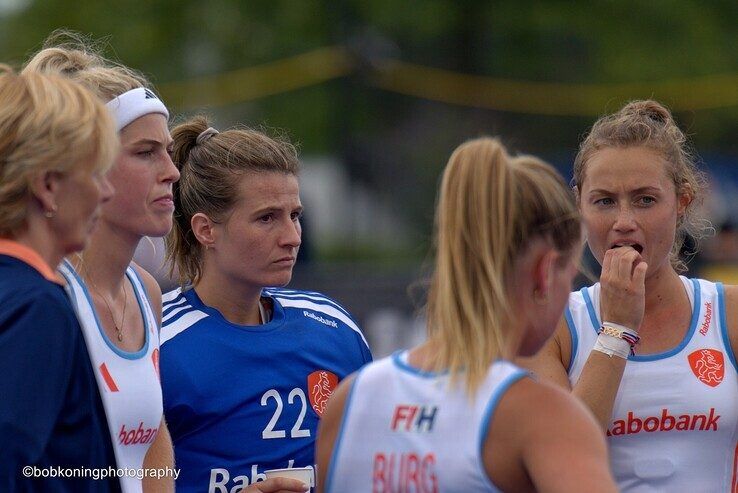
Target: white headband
{"points": [[134, 104]]}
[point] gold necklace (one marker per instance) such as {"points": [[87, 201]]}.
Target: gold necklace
{"points": [[118, 330]]}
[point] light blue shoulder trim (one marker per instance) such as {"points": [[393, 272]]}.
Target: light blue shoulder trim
{"points": [[593, 317], [139, 286], [574, 337], [724, 324], [687, 337], [399, 360], [144, 303], [341, 429], [123, 354], [667, 354], [487, 419], [69, 274]]}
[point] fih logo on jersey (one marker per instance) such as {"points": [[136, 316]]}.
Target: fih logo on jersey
{"points": [[408, 417], [321, 385], [708, 366]]}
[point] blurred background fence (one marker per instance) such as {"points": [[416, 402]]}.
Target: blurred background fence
{"points": [[377, 93]]}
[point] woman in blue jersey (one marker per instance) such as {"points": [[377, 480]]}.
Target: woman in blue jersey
{"points": [[669, 404], [246, 367], [57, 142], [454, 414]]}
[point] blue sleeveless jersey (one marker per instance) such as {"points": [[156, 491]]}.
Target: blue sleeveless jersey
{"points": [[242, 399]]}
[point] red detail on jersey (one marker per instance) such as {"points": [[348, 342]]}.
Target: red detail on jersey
{"points": [[108, 378], [403, 412], [708, 317], [135, 436], [155, 360], [667, 421], [321, 385], [404, 473], [708, 366]]}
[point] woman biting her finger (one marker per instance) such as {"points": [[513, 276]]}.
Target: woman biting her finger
{"points": [[649, 351]]}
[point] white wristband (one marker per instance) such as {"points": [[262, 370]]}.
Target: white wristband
{"points": [[612, 346]]}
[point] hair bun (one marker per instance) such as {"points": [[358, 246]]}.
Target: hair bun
{"points": [[649, 109]]}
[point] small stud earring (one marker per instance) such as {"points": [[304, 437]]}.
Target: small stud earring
{"points": [[539, 297]]}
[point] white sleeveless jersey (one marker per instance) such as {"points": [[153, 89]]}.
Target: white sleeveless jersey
{"points": [[673, 426], [406, 431], [128, 382]]}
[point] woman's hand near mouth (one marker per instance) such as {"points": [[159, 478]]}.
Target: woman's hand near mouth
{"points": [[622, 296]]}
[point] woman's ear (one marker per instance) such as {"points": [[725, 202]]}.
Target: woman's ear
{"points": [[685, 198], [44, 187], [543, 271], [203, 229]]}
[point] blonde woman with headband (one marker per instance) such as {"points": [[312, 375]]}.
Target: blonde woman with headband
{"points": [[57, 141], [118, 303], [649, 351], [454, 414]]}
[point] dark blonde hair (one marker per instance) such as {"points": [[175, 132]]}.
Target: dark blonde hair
{"points": [[76, 56], [490, 207], [210, 172], [649, 124], [47, 123]]}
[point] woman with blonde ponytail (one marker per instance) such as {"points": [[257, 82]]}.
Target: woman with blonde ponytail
{"points": [[650, 352], [118, 302], [454, 414]]}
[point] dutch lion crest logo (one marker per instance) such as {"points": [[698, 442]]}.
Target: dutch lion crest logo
{"points": [[321, 385], [708, 365]]}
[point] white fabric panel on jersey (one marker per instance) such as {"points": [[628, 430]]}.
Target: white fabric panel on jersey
{"points": [[405, 430], [674, 423], [129, 382]]}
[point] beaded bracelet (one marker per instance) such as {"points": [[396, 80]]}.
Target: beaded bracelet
{"points": [[620, 332]]}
